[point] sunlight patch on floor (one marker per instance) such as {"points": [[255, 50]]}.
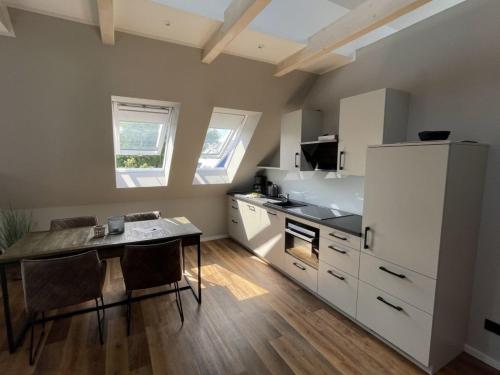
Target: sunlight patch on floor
{"points": [[239, 287]]}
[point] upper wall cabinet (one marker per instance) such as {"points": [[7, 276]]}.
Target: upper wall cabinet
{"points": [[373, 118], [296, 127]]}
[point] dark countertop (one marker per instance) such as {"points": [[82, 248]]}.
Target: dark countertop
{"points": [[351, 224]]}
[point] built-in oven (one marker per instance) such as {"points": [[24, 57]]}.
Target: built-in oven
{"points": [[302, 242]]}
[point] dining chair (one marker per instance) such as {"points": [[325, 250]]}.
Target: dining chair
{"points": [[149, 266], [73, 222], [56, 283], [143, 216]]}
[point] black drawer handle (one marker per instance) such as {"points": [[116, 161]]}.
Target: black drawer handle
{"points": [[271, 213], [339, 237], [299, 266], [334, 275], [234, 221], [341, 160], [295, 160], [337, 250], [400, 275], [365, 245], [234, 200], [234, 208], [399, 308]]}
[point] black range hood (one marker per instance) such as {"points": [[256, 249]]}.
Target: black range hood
{"points": [[322, 155]]}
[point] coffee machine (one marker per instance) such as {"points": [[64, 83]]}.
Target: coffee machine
{"points": [[260, 184]]}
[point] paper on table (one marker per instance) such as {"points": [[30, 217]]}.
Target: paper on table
{"points": [[148, 230]]}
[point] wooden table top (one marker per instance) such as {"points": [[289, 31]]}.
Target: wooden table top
{"points": [[49, 243]]}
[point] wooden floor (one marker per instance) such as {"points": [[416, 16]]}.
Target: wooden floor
{"points": [[253, 320]]}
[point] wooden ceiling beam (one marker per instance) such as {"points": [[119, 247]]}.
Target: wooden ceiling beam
{"points": [[106, 21], [237, 17], [6, 27], [363, 19]]}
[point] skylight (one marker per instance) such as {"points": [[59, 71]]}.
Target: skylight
{"points": [[226, 140], [143, 138]]}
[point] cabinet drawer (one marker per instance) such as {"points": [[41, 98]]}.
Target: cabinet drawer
{"points": [[401, 324], [232, 207], [340, 256], [337, 287], [411, 287], [340, 237], [301, 272]]}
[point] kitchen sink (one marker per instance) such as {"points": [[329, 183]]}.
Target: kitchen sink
{"points": [[287, 204]]}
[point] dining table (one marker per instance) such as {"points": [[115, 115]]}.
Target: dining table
{"points": [[56, 243]]}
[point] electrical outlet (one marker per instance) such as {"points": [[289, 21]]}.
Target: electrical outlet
{"points": [[491, 326]]}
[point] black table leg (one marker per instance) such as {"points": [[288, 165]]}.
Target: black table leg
{"points": [[198, 248], [6, 310], [197, 296]]}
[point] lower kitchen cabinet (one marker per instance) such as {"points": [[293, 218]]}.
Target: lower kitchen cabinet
{"points": [[259, 229], [303, 273], [338, 288], [403, 325], [269, 242]]}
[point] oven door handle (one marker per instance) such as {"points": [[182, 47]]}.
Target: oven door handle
{"points": [[299, 235]]}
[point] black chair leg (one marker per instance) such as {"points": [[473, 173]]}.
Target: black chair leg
{"points": [[103, 309], [178, 301], [99, 323], [34, 351], [129, 311]]}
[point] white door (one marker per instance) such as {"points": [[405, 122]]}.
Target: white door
{"points": [[403, 205], [271, 240], [361, 123], [291, 124]]}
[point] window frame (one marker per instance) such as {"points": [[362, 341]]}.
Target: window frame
{"points": [[240, 143], [231, 142], [141, 115], [145, 177]]}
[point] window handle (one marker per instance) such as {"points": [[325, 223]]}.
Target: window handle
{"points": [[337, 250], [334, 275]]}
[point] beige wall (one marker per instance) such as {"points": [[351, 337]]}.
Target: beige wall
{"points": [[56, 146], [450, 64]]}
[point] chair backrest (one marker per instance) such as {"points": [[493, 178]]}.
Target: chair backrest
{"points": [[59, 282], [73, 222], [147, 266], [143, 216]]}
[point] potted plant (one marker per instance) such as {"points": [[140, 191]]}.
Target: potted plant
{"points": [[14, 224]]}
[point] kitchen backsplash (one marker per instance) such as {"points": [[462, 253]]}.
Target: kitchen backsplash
{"points": [[321, 188]]}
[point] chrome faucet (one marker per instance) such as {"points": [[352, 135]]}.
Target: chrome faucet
{"points": [[285, 197]]}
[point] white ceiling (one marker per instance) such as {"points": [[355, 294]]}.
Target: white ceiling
{"points": [[281, 29]]}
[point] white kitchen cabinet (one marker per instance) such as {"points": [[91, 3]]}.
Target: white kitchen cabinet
{"points": [[270, 241], [296, 127], [421, 218], [259, 229], [338, 288], [235, 225], [302, 272], [403, 325], [372, 118], [250, 219]]}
